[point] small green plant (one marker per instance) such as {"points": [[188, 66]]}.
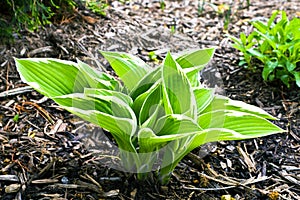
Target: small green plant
{"points": [[16, 118], [156, 115], [97, 6], [162, 4], [200, 6], [223, 10], [248, 3], [152, 56], [275, 46]]}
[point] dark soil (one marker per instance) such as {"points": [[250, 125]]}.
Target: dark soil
{"points": [[46, 153]]}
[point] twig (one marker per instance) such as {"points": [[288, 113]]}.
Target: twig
{"points": [[230, 184], [40, 50], [9, 178], [43, 112], [207, 189], [16, 91]]}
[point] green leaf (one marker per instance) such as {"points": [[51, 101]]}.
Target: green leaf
{"points": [[261, 27], [236, 40], [146, 103], [157, 112], [129, 68], [109, 112], [246, 124], [178, 96], [269, 68], [195, 58], [250, 39], [149, 141], [297, 78], [224, 103], [193, 77], [194, 61], [272, 18], [257, 54], [269, 39], [175, 124], [204, 97], [285, 79], [168, 128], [241, 48], [177, 149], [108, 93], [146, 82], [243, 38], [145, 143], [290, 66], [98, 79], [52, 77]]}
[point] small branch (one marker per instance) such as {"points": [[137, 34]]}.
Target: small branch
{"points": [[207, 189], [16, 91]]}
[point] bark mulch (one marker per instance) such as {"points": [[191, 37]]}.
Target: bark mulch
{"points": [[47, 153]]}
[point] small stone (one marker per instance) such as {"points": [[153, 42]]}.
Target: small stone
{"points": [[13, 188], [64, 180]]}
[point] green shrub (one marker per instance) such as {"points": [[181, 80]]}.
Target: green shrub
{"points": [[156, 115], [275, 46], [33, 13], [17, 15]]}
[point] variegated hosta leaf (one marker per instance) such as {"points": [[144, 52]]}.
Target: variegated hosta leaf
{"points": [[109, 112], [156, 112], [233, 130], [204, 97], [175, 124], [178, 95], [54, 77], [105, 93], [51, 77], [246, 124], [194, 61], [195, 58], [168, 128], [175, 147], [144, 104], [129, 68], [149, 141], [97, 79], [145, 100], [146, 82], [221, 103], [217, 126]]}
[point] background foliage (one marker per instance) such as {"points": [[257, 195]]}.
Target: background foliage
{"points": [[275, 46], [17, 15]]}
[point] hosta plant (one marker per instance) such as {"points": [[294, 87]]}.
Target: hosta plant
{"points": [[275, 46], [155, 115]]}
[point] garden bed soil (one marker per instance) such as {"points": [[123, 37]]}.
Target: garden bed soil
{"points": [[47, 153]]}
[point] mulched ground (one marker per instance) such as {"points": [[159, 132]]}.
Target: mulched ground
{"points": [[46, 153]]}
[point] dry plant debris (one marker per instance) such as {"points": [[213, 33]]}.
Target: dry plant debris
{"points": [[42, 150]]}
